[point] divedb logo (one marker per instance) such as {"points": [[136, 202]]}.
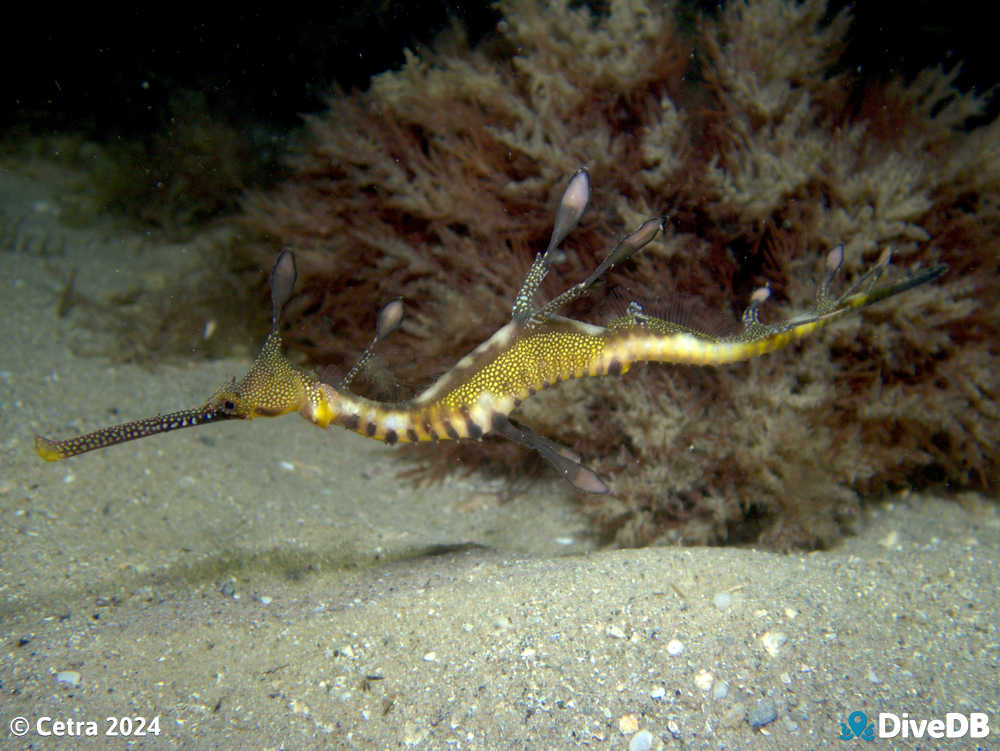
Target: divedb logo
{"points": [[892, 725]]}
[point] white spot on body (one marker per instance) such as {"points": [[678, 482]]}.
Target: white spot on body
{"points": [[395, 421]]}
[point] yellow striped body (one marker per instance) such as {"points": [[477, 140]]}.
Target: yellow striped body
{"points": [[514, 364], [508, 368], [535, 350]]}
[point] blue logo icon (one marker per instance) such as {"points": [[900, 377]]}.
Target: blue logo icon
{"points": [[857, 726]]}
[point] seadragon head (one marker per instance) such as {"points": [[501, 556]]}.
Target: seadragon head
{"points": [[272, 387]]}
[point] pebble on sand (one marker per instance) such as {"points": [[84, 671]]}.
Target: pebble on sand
{"points": [[763, 713], [641, 741], [704, 680], [772, 641], [723, 600], [628, 724], [69, 677]]}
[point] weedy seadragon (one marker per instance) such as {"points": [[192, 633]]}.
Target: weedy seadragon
{"points": [[536, 349]]}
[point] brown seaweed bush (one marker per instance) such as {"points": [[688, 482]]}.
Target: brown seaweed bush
{"points": [[438, 184]]}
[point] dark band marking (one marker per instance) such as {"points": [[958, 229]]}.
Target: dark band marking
{"points": [[412, 435], [351, 422], [472, 428], [391, 437], [615, 367], [370, 429], [450, 430]]}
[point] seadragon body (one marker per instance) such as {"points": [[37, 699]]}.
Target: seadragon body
{"points": [[536, 349]]}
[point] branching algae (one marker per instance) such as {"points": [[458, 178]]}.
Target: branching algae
{"points": [[536, 349]]}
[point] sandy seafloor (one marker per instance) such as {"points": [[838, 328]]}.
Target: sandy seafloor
{"points": [[270, 585]]}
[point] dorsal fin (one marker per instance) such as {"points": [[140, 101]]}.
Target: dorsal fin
{"points": [[679, 313]]}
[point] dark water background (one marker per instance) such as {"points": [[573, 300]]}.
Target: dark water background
{"points": [[109, 75]]}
